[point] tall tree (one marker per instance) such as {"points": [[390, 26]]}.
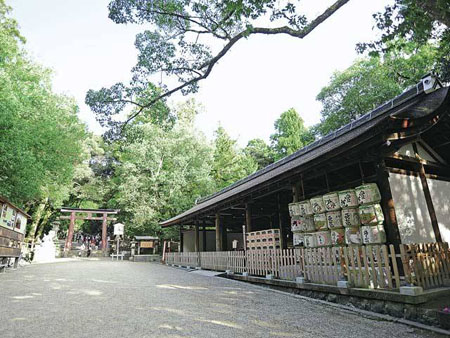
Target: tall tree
{"points": [[260, 152], [186, 40], [41, 133], [230, 163], [371, 81], [415, 21], [290, 135]]}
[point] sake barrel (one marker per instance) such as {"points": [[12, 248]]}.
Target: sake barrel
{"points": [[320, 222], [337, 237], [334, 219], [310, 240], [298, 239], [291, 207], [348, 199], [373, 234], [323, 238], [296, 224], [352, 236], [331, 201], [305, 208], [368, 194], [350, 217], [371, 214], [317, 205], [307, 223]]}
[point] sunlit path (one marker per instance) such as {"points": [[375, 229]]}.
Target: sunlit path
{"points": [[121, 299]]}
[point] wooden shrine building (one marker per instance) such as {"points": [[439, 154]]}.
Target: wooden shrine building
{"points": [[403, 146]]}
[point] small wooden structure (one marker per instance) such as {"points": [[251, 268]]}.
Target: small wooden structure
{"points": [[13, 224], [145, 244], [88, 214]]}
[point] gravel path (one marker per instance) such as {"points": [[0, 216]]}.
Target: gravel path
{"points": [[99, 299]]}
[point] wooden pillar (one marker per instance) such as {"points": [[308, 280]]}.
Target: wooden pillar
{"points": [[181, 239], [204, 235], [430, 206], [218, 233], [104, 233], [197, 238], [295, 193], [387, 204], [68, 244], [248, 217], [224, 237], [280, 223]]}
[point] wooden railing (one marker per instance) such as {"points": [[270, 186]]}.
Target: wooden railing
{"points": [[371, 266], [427, 264]]}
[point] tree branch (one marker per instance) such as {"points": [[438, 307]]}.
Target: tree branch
{"points": [[257, 30]]}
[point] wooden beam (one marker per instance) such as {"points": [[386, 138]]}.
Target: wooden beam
{"points": [[86, 218], [280, 223], [68, 244], [204, 235]]}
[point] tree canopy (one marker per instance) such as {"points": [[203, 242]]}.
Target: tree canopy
{"points": [[371, 81], [290, 135], [414, 21], [186, 40]]}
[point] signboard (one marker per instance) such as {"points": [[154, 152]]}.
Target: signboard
{"points": [[147, 244], [118, 229]]}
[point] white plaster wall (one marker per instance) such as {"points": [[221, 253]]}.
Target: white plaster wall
{"points": [[440, 194], [411, 209], [189, 240]]}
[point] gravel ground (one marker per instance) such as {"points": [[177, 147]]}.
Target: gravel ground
{"points": [[98, 298]]}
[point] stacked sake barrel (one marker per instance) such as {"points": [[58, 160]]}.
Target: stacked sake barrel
{"points": [[350, 216], [370, 214], [302, 223]]}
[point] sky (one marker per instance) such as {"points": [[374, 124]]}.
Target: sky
{"points": [[260, 78]]}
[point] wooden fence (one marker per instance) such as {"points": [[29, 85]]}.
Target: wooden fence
{"points": [[427, 264], [371, 266]]}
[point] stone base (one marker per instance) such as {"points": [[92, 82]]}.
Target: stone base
{"points": [[411, 290], [245, 274], [300, 280], [343, 284], [228, 272], [269, 276]]}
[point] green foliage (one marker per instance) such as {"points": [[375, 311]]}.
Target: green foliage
{"points": [[371, 81], [230, 164], [260, 152], [290, 134], [183, 42], [160, 174], [415, 21], [41, 134]]}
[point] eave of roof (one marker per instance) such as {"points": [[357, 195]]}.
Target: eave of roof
{"points": [[313, 150], [4, 200]]}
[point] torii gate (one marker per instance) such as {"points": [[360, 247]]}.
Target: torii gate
{"points": [[87, 215]]}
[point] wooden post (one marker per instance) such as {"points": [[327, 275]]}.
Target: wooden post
{"points": [[68, 244], [104, 233], [430, 206], [280, 223], [248, 217], [223, 230], [204, 235], [295, 193], [387, 204], [218, 233], [197, 238], [181, 239]]}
